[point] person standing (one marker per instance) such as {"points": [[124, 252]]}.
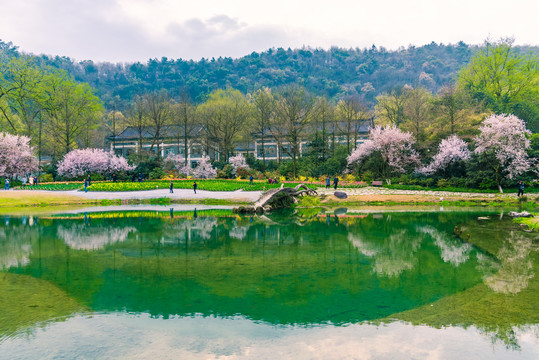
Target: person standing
{"points": [[520, 188], [7, 184], [114, 177], [171, 187], [85, 185], [24, 181], [328, 181], [195, 187], [35, 180], [89, 180], [335, 182], [251, 180]]}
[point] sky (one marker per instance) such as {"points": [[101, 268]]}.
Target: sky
{"points": [[137, 30]]}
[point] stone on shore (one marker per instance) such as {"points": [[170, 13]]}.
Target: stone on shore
{"points": [[521, 214], [340, 194]]}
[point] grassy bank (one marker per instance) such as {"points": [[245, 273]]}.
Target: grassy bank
{"points": [[28, 198]]}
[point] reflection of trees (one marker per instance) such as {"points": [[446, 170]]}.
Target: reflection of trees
{"points": [[516, 266], [393, 256], [453, 250], [82, 237], [15, 245], [238, 232]]}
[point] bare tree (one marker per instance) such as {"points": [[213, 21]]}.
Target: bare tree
{"points": [[184, 122], [264, 102], [293, 113], [351, 112], [158, 111]]}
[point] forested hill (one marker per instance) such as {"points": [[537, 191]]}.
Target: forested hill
{"points": [[332, 73]]}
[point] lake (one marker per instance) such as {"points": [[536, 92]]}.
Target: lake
{"points": [[160, 282]]}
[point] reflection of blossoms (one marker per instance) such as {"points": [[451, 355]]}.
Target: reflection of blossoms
{"points": [[13, 254], [453, 251], [238, 232], [200, 227], [400, 255], [81, 237], [516, 269], [363, 247], [15, 246]]}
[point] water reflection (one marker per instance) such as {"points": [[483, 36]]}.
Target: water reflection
{"points": [[516, 265], [310, 269]]}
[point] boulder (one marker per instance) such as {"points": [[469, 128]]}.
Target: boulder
{"points": [[340, 194], [521, 214]]}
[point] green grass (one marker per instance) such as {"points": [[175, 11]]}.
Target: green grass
{"points": [[209, 185], [59, 186]]}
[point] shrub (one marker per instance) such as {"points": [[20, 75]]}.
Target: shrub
{"points": [[45, 178], [156, 173]]}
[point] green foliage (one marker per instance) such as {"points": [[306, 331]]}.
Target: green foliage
{"points": [[505, 81], [156, 174]]}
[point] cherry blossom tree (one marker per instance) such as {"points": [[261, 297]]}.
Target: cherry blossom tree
{"points": [[204, 170], [176, 162], [450, 151], [507, 138], [80, 162], [238, 162], [393, 145], [16, 156]]}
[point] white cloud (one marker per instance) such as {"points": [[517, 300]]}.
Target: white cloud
{"points": [[128, 30]]}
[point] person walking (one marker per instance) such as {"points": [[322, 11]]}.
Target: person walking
{"points": [[35, 180], [520, 188], [251, 180], [335, 182], [328, 181], [24, 181], [7, 184], [86, 185], [171, 187], [195, 187]]}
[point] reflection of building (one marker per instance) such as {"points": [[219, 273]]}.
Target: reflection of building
{"points": [[171, 142]]}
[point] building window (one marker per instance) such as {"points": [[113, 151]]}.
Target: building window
{"points": [[270, 150]]}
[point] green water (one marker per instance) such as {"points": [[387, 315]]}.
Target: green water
{"points": [[243, 279]]}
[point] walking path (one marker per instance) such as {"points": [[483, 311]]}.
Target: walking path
{"points": [[439, 194], [183, 194]]}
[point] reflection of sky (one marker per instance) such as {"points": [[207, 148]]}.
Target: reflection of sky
{"points": [[123, 336]]}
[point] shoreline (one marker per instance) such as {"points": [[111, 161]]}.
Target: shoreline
{"points": [[368, 196]]}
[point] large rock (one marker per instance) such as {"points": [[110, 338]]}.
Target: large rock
{"points": [[340, 194], [521, 214]]}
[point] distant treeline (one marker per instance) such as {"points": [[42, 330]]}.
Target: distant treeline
{"points": [[335, 73]]}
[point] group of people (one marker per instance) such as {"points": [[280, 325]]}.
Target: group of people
{"points": [[335, 182], [32, 180]]}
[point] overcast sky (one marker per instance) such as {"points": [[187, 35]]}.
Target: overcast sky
{"points": [[136, 30]]}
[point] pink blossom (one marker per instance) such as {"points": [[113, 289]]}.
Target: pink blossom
{"points": [[80, 162], [237, 162], [204, 170], [507, 137], [16, 156], [177, 162], [394, 145], [450, 150]]}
